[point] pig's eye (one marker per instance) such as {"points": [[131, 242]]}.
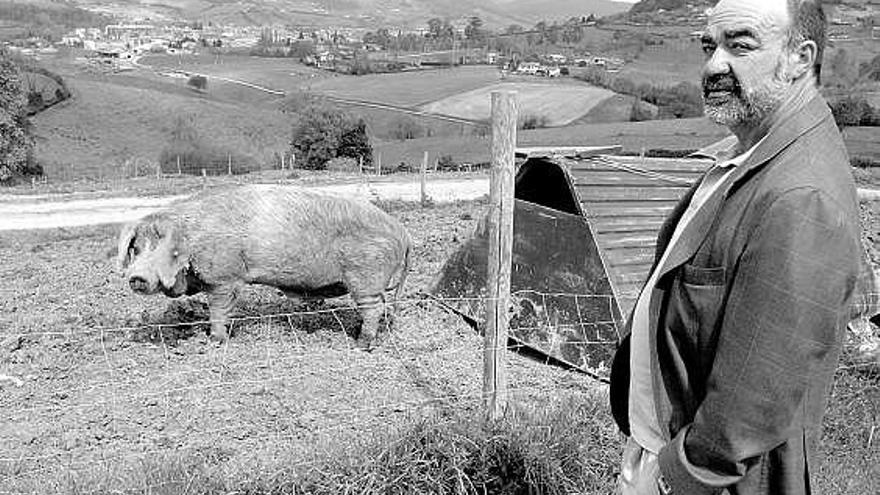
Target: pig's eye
{"points": [[175, 253]]}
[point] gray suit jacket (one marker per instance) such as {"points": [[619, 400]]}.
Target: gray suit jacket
{"points": [[747, 322]]}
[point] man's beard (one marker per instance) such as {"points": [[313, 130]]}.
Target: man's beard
{"points": [[742, 106]]}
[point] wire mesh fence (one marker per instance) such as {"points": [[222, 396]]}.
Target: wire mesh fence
{"points": [[287, 384]]}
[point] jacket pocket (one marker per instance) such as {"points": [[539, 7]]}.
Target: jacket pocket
{"points": [[700, 297]]}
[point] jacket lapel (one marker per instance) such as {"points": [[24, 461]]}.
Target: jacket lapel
{"points": [[778, 138]]}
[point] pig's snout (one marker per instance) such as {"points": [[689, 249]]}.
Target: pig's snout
{"points": [[138, 284]]}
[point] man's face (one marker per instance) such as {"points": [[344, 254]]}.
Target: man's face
{"points": [[745, 76]]}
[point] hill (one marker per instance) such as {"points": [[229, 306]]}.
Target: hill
{"points": [[649, 6], [116, 124], [355, 13], [55, 17]]}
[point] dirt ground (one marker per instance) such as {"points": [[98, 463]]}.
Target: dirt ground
{"points": [[87, 386]]}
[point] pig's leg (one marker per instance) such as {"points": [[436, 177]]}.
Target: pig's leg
{"points": [[220, 303], [370, 307]]}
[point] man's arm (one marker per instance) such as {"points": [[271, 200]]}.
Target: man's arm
{"points": [[780, 333]]}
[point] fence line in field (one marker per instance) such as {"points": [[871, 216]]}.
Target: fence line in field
{"points": [[273, 363]]}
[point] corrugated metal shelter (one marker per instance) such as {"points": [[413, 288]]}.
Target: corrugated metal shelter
{"points": [[585, 227]]}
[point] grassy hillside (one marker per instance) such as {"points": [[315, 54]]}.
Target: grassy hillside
{"points": [[115, 123]]}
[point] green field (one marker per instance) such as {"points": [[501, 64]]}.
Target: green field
{"points": [[558, 103], [409, 88], [116, 124], [674, 61]]}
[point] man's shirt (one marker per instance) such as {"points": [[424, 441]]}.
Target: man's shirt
{"points": [[644, 424]]}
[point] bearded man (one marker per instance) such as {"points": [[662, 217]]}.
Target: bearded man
{"points": [[722, 379]]}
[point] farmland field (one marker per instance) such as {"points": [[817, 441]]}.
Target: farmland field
{"points": [[409, 89], [110, 401], [559, 103], [121, 119], [103, 394], [675, 61], [284, 74]]}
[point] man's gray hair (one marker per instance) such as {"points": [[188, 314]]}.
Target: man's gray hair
{"points": [[808, 23]]}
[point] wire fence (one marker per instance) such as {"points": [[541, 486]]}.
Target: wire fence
{"points": [[290, 381]]}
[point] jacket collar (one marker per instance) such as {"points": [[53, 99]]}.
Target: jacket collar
{"points": [[797, 122]]}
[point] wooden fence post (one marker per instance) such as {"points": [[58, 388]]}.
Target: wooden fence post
{"points": [[423, 174], [504, 118]]}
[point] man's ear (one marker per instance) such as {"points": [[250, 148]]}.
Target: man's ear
{"points": [[127, 237], [802, 58]]}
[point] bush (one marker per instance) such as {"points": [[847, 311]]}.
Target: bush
{"points": [[188, 153], [864, 162], [446, 163], [854, 110], [198, 156], [407, 128], [198, 81], [533, 122], [642, 111]]}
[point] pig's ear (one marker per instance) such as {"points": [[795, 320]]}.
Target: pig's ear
{"points": [[170, 270], [126, 240]]}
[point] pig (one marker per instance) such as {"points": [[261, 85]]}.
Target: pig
{"points": [[308, 244]]}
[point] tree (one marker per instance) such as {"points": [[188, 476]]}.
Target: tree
{"points": [[16, 143], [474, 30], [435, 28], [322, 132]]}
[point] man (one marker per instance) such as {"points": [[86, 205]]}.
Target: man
{"points": [[721, 380]]}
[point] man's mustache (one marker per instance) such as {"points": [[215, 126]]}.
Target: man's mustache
{"points": [[721, 82]]}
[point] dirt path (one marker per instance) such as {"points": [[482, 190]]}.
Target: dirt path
{"points": [[34, 212]]}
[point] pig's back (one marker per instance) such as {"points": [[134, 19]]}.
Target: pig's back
{"points": [[291, 236]]}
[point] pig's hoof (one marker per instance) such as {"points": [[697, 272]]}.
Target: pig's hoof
{"points": [[365, 345]]}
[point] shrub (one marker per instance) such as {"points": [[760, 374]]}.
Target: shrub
{"points": [[641, 111], [446, 163], [533, 122], [192, 158], [853, 110], [864, 162], [198, 81], [407, 128], [188, 153]]}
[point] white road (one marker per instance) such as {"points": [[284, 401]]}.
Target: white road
{"points": [[27, 212], [20, 212]]}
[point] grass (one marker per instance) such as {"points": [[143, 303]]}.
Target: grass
{"points": [[409, 89], [289, 407], [560, 103], [118, 125], [675, 61]]}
